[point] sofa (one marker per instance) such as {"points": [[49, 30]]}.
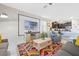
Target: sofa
{"points": [[69, 49], [4, 47]]}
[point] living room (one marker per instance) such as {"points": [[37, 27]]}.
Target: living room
{"points": [[27, 27]]}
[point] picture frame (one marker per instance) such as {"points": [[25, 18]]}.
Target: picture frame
{"points": [[27, 23]]}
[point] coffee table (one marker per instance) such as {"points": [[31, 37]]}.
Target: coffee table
{"points": [[40, 43]]}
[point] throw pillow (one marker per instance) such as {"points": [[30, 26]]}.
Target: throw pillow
{"points": [[77, 41], [0, 38]]}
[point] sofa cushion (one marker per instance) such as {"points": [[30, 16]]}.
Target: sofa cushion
{"points": [[62, 53], [71, 48], [3, 52], [4, 45]]}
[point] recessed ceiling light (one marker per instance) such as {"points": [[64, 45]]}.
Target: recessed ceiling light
{"points": [[47, 5], [50, 3]]}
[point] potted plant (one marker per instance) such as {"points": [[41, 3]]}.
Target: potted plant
{"points": [[43, 35]]}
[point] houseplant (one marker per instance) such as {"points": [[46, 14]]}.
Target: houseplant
{"points": [[43, 35]]}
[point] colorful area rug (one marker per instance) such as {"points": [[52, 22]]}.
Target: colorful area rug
{"points": [[27, 50]]}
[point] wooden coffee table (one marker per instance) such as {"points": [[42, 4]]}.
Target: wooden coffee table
{"points": [[40, 43]]}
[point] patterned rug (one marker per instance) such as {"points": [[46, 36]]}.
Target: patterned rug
{"points": [[26, 49]]}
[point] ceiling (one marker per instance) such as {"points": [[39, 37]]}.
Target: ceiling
{"points": [[54, 11]]}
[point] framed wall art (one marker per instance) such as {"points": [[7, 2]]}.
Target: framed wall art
{"points": [[27, 23]]}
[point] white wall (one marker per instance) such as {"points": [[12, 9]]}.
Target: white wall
{"points": [[75, 25], [9, 30], [43, 26]]}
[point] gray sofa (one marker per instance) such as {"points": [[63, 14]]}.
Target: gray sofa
{"points": [[69, 49], [4, 48]]}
